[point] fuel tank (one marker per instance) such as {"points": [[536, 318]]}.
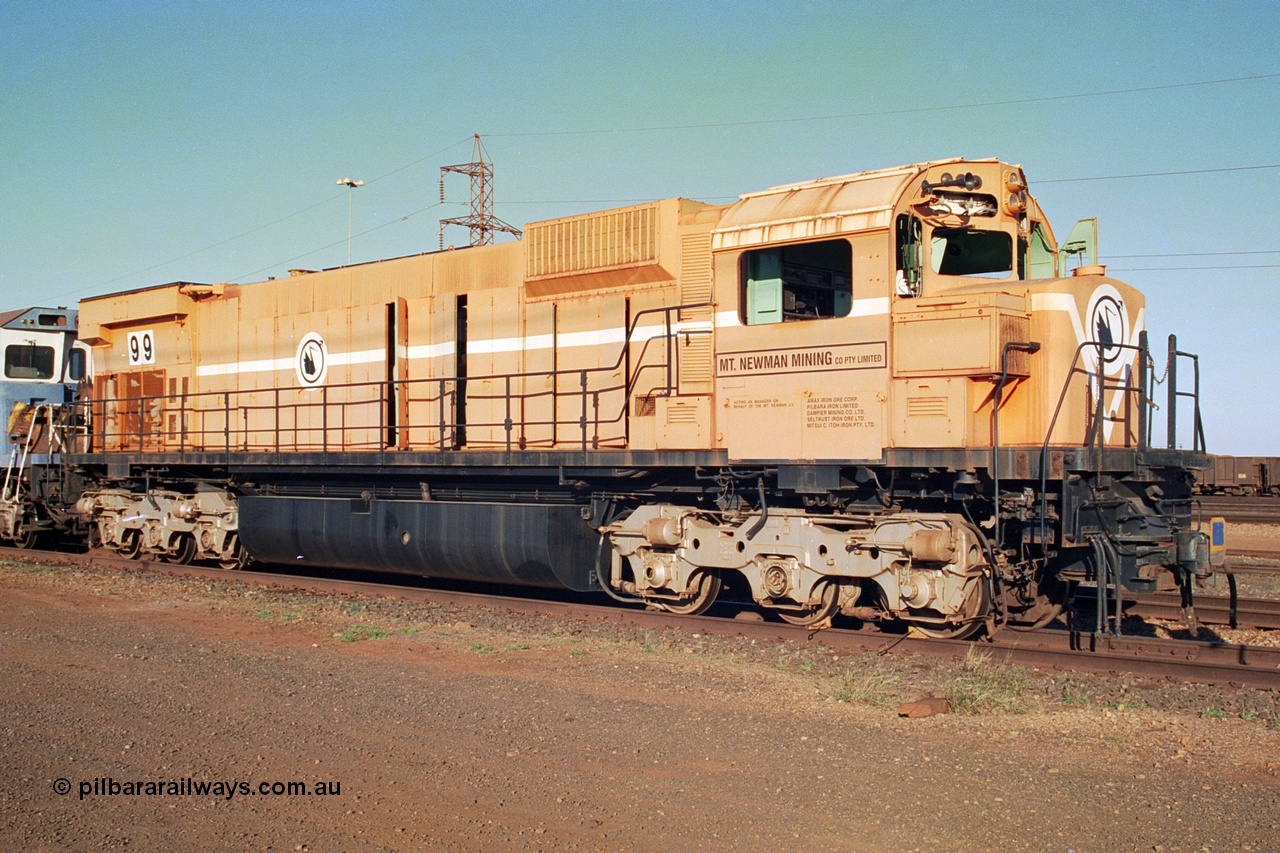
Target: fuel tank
{"points": [[543, 545]]}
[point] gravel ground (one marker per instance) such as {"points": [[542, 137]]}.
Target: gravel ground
{"points": [[445, 728]]}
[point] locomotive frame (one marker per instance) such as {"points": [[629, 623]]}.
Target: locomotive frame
{"points": [[875, 395]]}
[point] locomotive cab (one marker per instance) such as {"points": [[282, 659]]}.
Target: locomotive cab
{"points": [[1007, 389], [44, 365]]}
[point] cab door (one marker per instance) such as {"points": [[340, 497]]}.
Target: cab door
{"points": [[801, 366]]}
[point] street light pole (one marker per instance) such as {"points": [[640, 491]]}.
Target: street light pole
{"points": [[350, 185]]}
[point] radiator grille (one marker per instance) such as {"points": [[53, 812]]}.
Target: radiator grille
{"points": [[606, 240]]}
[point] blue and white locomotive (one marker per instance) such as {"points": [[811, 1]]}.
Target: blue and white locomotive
{"points": [[44, 368]]}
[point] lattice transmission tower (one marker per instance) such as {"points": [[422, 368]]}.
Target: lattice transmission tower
{"points": [[481, 221]]}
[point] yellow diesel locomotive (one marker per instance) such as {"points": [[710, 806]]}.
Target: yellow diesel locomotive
{"points": [[880, 394]]}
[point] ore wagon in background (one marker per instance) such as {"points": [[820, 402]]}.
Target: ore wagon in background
{"points": [[1240, 475]]}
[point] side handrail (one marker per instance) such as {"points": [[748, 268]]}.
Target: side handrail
{"points": [[1095, 434], [194, 409], [1197, 440]]}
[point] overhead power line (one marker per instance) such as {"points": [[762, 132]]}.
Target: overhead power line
{"points": [[206, 248], [866, 114], [422, 159], [1157, 174], [612, 200], [1180, 269], [274, 222], [280, 264], [1195, 254], [878, 113]]}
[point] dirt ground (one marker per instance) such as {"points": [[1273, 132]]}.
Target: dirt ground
{"points": [[433, 728]]}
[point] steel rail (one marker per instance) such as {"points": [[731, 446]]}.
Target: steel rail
{"points": [[1207, 662], [1270, 557], [1240, 509], [1250, 613]]}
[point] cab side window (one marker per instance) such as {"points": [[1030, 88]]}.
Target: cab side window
{"points": [[28, 361], [809, 281], [77, 365]]}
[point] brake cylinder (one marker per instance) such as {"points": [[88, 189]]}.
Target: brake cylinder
{"points": [[931, 546]]}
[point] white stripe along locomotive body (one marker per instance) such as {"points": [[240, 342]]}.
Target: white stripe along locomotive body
{"points": [[877, 394]]}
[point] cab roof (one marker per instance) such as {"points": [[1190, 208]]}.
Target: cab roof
{"points": [[854, 202]]}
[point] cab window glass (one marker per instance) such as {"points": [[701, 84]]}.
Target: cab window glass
{"points": [[786, 284], [77, 366], [28, 361], [962, 251]]}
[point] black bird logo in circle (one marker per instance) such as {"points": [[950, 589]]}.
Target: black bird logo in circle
{"points": [[1109, 329], [1104, 330], [311, 362]]}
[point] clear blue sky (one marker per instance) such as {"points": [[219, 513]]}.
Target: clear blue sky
{"points": [[147, 142]]}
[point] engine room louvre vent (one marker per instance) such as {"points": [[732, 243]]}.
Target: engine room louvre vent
{"points": [[926, 407], [681, 413], [596, 241]]}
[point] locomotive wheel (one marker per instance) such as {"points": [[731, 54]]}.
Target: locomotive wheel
{"points": [[27, 537], [830, 596], [979, 603], [131, 544], [185, 552], [949, 632], [238, 559], [708, 588]]}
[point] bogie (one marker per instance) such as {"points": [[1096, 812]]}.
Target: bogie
{"points": [[179, 525], [796, 564]]}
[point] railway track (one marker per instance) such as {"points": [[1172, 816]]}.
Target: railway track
{"points": [[1249, 613], [1202, 661], [1259, 561], [1240, 510]]}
